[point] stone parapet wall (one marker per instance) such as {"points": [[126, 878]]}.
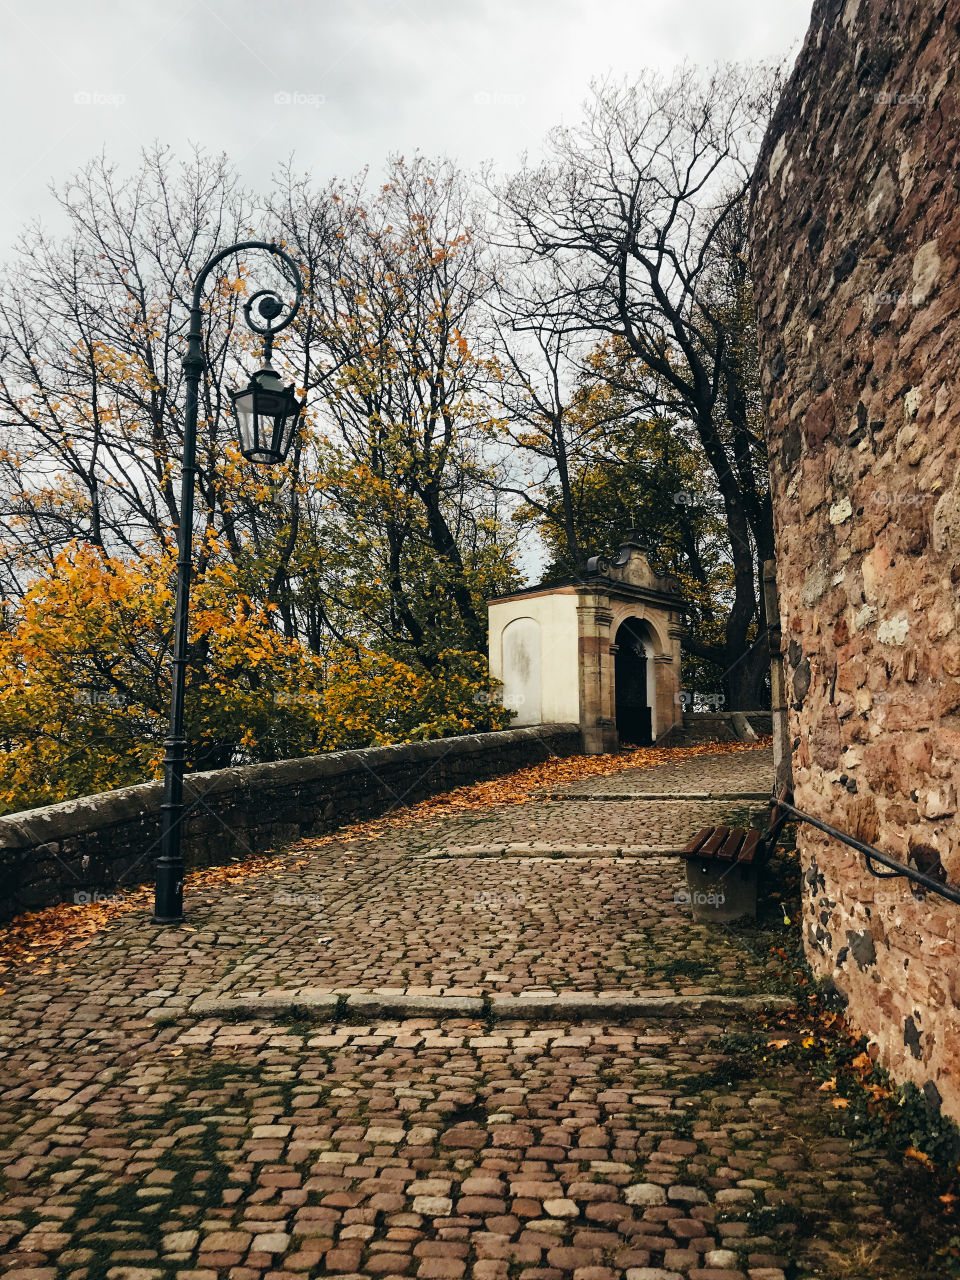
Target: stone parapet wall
{"points": [[100, 842], [856, 244]]}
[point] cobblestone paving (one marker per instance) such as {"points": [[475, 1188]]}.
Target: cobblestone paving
{"points": [[610, 823], [419, 1149], [510, 925], [751, 771], [205, 1149]]}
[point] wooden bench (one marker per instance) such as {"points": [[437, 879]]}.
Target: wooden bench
{"points": [[724, 844], [721, 873]]}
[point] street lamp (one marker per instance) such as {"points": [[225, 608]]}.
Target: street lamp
{"points": [[267, 415], [267, 412]]}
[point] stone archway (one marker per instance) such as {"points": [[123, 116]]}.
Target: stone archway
{"points": [[634, 683]]}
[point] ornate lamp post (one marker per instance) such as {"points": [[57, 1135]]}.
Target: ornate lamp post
{"points": [[267, 415]]}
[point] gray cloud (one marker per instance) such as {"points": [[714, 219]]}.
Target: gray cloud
{"points": [[339, 85]]}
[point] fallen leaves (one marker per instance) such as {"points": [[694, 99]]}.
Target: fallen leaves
{"points": [[521, 786], [921, 1157], [66, 927], [52, 931], [878, 1093]]}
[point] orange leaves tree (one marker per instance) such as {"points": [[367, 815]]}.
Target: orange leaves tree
{"points": [[339, 599], [84, 682]]}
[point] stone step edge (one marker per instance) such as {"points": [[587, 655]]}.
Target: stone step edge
{"points": [[548, 851], [657, 795], [571, 1007]]}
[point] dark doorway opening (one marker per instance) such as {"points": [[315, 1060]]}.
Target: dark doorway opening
{"points": [[634, 718]]}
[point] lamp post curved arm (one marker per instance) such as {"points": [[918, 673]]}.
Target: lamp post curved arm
{"points": [[195, 334], [168, 903]]}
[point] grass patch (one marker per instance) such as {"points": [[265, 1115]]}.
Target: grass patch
{"points": [[681, 967]]}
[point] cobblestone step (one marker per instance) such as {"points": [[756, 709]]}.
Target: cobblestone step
{"points": [[525, 850], [531, 1006], [733, 773], [658, 795]]}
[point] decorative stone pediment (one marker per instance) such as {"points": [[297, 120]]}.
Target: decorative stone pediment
{"points": [[631, 568]]}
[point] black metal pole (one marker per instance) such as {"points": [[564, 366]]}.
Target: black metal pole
{"points": [[168, 903], [168, 899]]}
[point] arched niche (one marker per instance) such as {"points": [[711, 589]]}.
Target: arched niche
{"points": [[522, 670]]}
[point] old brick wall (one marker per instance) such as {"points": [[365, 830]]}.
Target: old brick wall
{"points": [[102, 843], [856, 241]]}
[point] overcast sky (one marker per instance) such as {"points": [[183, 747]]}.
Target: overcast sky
{"points": [[338, 84]]}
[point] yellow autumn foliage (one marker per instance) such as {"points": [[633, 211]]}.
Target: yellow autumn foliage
{"points": [[84, 682]]}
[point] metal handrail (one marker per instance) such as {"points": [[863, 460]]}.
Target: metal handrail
{"points": [[872, 855]]}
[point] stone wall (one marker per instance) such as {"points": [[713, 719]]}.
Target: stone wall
{"points": [[856, 240], [99, 843]]}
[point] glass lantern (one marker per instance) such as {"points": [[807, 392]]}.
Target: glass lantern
{"points": [[267, 415]]}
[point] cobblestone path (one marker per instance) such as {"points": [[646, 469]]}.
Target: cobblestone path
{"points": [[207, 1103]]}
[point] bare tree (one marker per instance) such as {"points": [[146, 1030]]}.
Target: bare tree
{"points": [[537, 356], [92, 335], [639, 210]]}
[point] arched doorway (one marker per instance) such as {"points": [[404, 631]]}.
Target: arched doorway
{"points": [[633, 679]]}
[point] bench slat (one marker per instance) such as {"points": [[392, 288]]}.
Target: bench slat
{"points": [[709, 850], [697, 841], [749, 851], [731, 846]]}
